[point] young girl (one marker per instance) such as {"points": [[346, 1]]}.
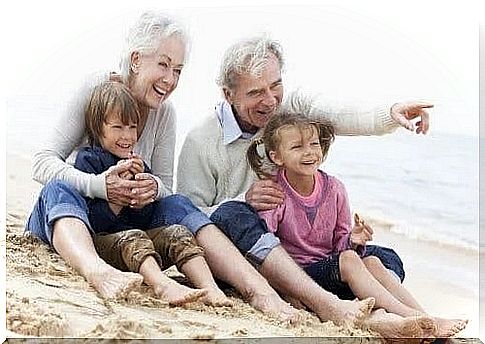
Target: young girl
{"points": [[131, 239], [314, 221]]}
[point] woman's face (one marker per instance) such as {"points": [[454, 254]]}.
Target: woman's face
{"points": [[156, 74]]}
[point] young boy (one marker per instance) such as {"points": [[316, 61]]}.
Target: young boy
{"points": [[139, 240]]}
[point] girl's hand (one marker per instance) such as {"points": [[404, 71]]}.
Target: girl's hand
{"points": [[265, 195], [144, 192], [361, 232]]}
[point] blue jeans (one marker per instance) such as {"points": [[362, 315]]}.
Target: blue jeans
{"points": [[242, 225], [59, 199]]}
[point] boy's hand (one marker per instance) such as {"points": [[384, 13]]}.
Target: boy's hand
{"points": [[126, 175], [137, 165], [361, 232]]}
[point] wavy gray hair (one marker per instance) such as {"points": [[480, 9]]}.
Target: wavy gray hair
{"points": [[248, 56], [147, 33]]}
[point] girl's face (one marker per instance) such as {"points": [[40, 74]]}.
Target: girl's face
{"points": [[118, 138], [299, 151], [156, 74]]}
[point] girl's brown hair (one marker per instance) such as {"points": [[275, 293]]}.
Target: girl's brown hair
{"points": [[105, 98], [298, 111]]}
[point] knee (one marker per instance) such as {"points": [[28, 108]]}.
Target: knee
{"points": [[132, 234], [177, 200], [236, 206], [373, 262], [178, 233], [56, 186], [235, 211], [348, 260]]}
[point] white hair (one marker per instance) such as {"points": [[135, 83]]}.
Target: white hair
{"points": [[248, 56], [147, 33]]}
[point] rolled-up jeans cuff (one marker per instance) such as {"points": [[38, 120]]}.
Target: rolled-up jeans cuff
{"points": [[62, 211], [260, 250], [195, 221]]}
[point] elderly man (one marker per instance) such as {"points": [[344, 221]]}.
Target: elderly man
{"points": [[214, 174]]}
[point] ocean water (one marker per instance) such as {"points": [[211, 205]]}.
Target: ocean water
{"points": [[424, 187]]}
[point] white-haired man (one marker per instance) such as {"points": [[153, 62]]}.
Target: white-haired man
{"points": [[214, 174]]}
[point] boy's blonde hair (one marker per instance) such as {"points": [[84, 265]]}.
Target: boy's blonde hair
{"points": [[106, 98]]}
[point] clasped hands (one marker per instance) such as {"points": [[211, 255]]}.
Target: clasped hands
{"points": [[128, 185]]}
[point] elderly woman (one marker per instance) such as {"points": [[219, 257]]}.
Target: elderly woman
{"points": [[150, 67]]}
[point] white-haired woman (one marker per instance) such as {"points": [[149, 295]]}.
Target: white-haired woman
{"points": [[151, 65]]}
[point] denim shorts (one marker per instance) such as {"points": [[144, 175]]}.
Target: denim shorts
{"points": [[58, 199], [327, 271]]}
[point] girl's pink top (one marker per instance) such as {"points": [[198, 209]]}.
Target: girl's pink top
{"points": [[312, 228]]}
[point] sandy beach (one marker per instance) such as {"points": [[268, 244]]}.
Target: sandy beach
{"points": [[46, 298]]}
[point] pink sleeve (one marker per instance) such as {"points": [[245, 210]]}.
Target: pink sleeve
{"points": [[344, 223], [272, 217]]}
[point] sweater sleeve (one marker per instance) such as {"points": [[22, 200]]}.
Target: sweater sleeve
{"points": [[351, 120], [163, 155], [49, 162], [195, 178], [342, 229]]}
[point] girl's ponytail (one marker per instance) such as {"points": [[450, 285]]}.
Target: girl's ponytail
{"points": [[254, 159]]}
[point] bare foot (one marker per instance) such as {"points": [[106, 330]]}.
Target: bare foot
{"points": [[112, 283], [449, 327], [273, 305], [176, 294], [346, 312], [391, 325], [215, 297]]}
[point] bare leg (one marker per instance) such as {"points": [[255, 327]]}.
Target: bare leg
{"points": [[446, 327], [363, 284], [288, 278], [198, 272], [74, 244], [230, 266], [166, 288]]}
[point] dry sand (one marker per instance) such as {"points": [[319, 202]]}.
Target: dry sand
{"points": [[45, 297]]}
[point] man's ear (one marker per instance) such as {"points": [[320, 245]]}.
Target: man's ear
{"points": [[274, 157], [227, 94]]}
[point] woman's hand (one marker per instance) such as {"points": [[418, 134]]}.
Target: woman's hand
{"points": [[265, 195], [119, 190], [144, 192], [361, 232]]}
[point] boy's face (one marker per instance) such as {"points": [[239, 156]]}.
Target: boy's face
{"points": [[299, 151], [118, 138]]}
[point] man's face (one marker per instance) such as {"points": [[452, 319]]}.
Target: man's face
{"points": [[256, 98]]}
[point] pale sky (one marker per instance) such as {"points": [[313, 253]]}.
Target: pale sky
{"points": [[368, 53]]}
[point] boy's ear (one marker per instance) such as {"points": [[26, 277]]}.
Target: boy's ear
{"points": [[274, 157]]}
